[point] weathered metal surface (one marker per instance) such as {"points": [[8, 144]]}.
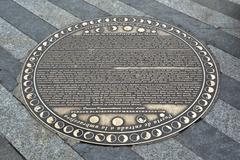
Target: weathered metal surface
{"points": [[119, 80]]}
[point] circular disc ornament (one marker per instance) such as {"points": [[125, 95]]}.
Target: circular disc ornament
{"points": [[119, 80]]}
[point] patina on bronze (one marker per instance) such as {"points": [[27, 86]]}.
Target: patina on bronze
{"points": [[119, 80]]}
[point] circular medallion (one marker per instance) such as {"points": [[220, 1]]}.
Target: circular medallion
{"points": [[119, 80]]}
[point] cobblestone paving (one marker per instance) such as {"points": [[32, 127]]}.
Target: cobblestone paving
{"points": [[24, 23]]}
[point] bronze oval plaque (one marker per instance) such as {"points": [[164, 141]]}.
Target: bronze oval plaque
{"points": [[119, 80]]}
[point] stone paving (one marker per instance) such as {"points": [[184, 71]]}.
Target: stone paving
{"points": [[24, 23]]}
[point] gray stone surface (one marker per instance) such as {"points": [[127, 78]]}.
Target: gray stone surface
{"points": [[95, 152], [207, 33], [80, 8], [9, 69], [48, 11], [226, 118], [204, 14], [190, 8], [229, 65], [115, 7], [207, 142], [235, 1], [33, 26], [230, 91], [27, 135], [223, 6], [7, 151], [168, 150], [14, 41]]}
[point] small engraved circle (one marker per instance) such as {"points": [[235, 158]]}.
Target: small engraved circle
{"points": [[32, 59], [141, 30], [211, 76], [38, 108], [28, 83], [206, 96], [88, 135], [202, 102], [210, 83], [68, 129], [192, 114], [74, 115], [44, 114], [30, 64], [141, 119], [94, 119], [145, 135], [117, 121], [166, 129], [156, 132], [198, 108], [134, 137], [162, 115], [27, 77], [59, 125], [209, 89], [176, 124], [78, 133], [31, 96], [127, 28], [28, 90], [123, 138], [51, 120], [99, 137], [184, 120], [203, 53], [111, 138], [34, 102]]}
